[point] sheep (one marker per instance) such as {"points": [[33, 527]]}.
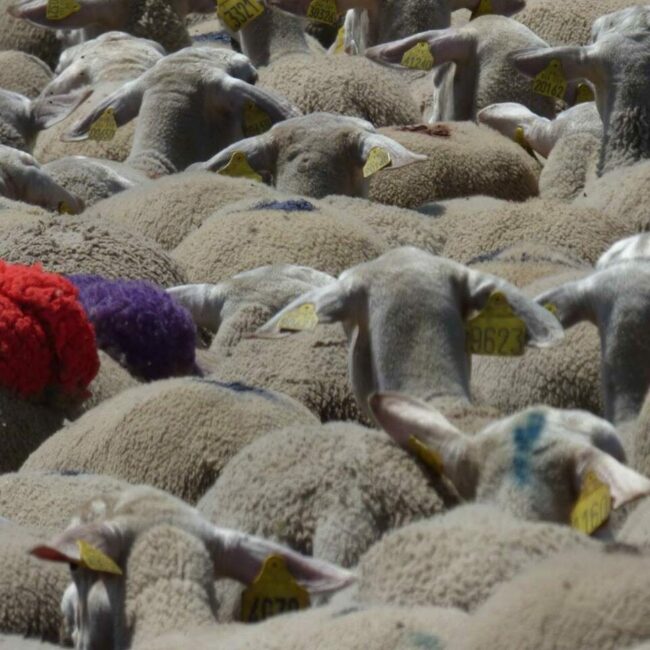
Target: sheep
{"points": [[162, 555], [31, 592], [459, 558], [11, 642], [578, 599], [484, 73], [23, 179], [630, 249], [628, 20], [243, 236], [462, 159], [170, 208], [404, 316], [23, 73], [317, 154], [110, 438], [635, 530], [329, 490], [80, 245]]}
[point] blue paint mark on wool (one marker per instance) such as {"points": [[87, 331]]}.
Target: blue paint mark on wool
{"points": [[212, 36], [525, 437], [292, 205], [239, 387]]}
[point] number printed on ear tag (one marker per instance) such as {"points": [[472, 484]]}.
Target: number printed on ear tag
{"points": [[104, 127], [238, 166], [299, 319], [426, 455], [323, 11], [256, 121], [273, 592], [60, 9], [483, 8], [378, 158], [95, 560], [584, 94], [551, 81], [594, 505], [238, 13], [496, 330], [419, 57]]}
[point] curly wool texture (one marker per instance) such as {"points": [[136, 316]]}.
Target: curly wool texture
{"points": [[239, 237], [170, 208], [330, 491], [23, 36], [31, 589], [80, 245], [537, 220], [174, 434], [139, 325], [158, 21], [347, 85], [566, 23], [579, 600], [21, 72], [45, 337], [463, 159], [458, 559]]}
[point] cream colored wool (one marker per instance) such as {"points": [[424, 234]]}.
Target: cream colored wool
{"points": [[79, 245], [463, 159], [636, 528], [21, 72], [20, 643], [172, 207], [458, 559], [175, 434]]}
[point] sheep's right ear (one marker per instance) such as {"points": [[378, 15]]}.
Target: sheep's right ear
{"points": [[577, 62], [203, 301], [75, 15], [392, 154], [571, 303], [52, 109]]}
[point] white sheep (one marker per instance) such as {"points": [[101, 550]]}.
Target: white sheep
{"points": [[23, 73]]}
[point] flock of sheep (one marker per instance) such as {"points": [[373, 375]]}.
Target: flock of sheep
{"points": [[322, 324]]}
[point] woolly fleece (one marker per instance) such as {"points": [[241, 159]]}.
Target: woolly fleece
{"points": [[175, 434], [636, 529], [22, 73], [463, 159]]}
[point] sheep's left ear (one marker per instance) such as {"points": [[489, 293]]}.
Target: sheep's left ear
{"points": [[241, 556], [577, 62], [52, 109], [203, 301], [571, 303], [75, 14], [379, 152]]}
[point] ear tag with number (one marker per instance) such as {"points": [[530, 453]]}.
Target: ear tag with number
{"points": [[594, 505], [95, 560], [60, 9], [238, 166], [419, 57], [339, 47], [236, 14], [273, 592], [378, 158], [104, 127], [426, 455], [64, 208], [520, 139], [256, 121], [584, 94], [496, 330], [299, 319], [551, 81], [323, 11], [483, 8]]}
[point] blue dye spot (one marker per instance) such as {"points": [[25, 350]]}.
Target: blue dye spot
{"points": [[525, 437], [293, 205], [426, 641], [69, 472], [238, 387], [223, 37]]}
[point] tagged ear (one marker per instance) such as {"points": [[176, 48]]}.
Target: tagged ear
{"points": [[625, 484], [507, 117], [571, 303], [241, 556], [124, 102], [73, 14], [389, 153], [203, 301], [50, 110], [577, 62]]}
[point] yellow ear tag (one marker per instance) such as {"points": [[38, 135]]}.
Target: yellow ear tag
{"points": [[339, 48], [60, 9], [238, 13], [64, 208], [520, 139], [323, 11], [426, 455], [256, 121], [378, 158], [238, 166], [104, 127], [594, 505], [549, 306], [419, 57], [483, 8], [496, 330], [273, 592], [551, 81], [299, 319], [585, 94], [95, 560]]}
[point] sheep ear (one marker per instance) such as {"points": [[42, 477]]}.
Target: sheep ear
{"points": [[625, 484], [379, 152], [577, 62], [241, 556], [203, 301], [50, 110], [542, 327], [72, 14], [124, 103], [571, 303]]}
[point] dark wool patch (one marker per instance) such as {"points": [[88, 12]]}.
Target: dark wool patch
{"points": [[292, 205], [441, 130]]}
